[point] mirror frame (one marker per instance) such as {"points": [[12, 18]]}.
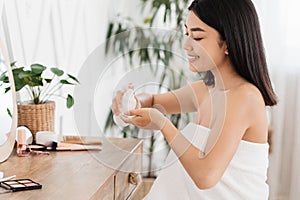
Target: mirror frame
{"points": [[7, 147]]}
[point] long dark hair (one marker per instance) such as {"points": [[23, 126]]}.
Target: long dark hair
{"points": [[238, 25]]}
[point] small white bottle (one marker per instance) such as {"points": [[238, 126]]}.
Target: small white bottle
{"points": [[128, 103]]}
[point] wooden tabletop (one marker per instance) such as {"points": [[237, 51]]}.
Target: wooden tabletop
{"points": [[69, 175]]}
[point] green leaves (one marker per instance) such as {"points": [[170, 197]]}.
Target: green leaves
{"points": [[73, 78], [66, 82], [37, 68], [40, 88], [149, 47], [8, 112], [70, 101], [4, 78], [148, 20], [57, 71]]}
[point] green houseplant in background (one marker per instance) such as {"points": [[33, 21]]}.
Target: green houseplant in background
{"points": [[42, 85], [163, 12]]}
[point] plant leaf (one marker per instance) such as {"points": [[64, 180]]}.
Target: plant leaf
{"points": [[13, 63], [34, 81], [70, 101], [147, 20], [8, 112], [19, 83], [7, 89], [48, 80], [4, 78], [73, 78], [37, 68], [57, 72], [108, 35], [25, 74], [66, 82]]}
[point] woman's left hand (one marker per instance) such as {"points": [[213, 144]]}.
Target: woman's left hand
{"points": [[145, 118]]}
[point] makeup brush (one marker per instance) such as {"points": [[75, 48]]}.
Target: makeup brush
{"points": [[72, 147]]}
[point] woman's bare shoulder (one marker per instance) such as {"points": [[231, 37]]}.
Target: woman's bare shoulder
{"points": [[247, 93], [247, 102], [248, 99]]}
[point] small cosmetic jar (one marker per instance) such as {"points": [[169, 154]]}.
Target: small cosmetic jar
{"points": [[46, 137]]}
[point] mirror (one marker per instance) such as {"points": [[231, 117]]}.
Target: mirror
{"points": [[8, 119]]}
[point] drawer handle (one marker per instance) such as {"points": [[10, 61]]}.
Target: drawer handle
{"points": [[133, 178]]}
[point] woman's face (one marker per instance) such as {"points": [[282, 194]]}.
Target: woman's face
{"points": [[204, 48]]}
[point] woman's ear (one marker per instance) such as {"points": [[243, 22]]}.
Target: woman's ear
{"points": [[226, 49], [226, 52]]}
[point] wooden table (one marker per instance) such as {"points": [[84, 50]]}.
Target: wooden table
{"points": [[81, 174]]}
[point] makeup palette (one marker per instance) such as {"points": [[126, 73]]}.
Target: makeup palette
{"points": [[20, 185]]}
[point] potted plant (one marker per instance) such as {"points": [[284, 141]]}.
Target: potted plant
{"points": [[41, 84]]}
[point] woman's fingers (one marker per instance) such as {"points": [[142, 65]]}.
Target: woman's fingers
{"points": [[127, 119], [119, 97], [136, 112], [117, 102], [114, 107]]}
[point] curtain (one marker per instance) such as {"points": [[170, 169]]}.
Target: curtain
{"points": [[281, 30], [59, 33]]}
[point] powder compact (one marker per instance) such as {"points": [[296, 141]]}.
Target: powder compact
{"points": [[20, 185]]}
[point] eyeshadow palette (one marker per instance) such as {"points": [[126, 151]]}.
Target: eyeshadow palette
{"points": [[20, 185]]}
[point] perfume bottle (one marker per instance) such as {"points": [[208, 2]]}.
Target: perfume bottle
{"points": [[21, 143]]}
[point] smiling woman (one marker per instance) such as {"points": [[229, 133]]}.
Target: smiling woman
{"points": [[223, 153]]}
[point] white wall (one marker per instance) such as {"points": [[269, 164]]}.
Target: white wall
{"points": [[58, 33]]}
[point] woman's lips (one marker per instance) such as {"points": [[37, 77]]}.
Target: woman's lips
{"points": [[192, 58]]}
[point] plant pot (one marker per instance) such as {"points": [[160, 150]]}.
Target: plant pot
{"points": [[36, 117]]}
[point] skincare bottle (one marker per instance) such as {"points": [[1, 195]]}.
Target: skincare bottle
{"points": [[21, 143], [128, 103]]}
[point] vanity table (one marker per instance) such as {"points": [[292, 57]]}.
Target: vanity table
{"points": [[112, 173]]}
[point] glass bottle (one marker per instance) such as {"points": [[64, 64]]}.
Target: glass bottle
{"points": [[21, 143]]}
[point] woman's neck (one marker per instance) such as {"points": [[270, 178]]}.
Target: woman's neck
{"points": [[226, 77]]}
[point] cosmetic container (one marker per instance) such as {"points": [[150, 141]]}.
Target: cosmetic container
{"points": [[128, 103], [21, 145]]}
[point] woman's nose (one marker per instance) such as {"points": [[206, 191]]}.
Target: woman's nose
{"points": [[187, 44]]}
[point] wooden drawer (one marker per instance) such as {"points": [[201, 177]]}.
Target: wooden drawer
{"points": [[106, 192], [128, 177]]}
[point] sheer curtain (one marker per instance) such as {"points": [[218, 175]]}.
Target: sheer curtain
{"points": [[281, 30], [58, 33]]}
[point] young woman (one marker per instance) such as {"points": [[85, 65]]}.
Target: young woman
{"points": [[224, 153]]}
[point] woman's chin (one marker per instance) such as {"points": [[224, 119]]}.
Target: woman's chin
{"points": [[192, 68]]}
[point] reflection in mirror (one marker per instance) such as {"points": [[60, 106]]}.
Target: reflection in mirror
{"points": [[8, 107]]}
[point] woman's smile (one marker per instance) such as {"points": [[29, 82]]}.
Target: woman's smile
{"points": [[193, 58]]}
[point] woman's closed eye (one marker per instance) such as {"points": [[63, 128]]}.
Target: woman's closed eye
{"points": [[197, 39]]}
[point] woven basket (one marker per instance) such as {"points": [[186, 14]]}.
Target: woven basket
{"points": [[37, 117]]}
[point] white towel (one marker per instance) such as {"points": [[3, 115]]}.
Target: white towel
{"points": [[244, 179]]}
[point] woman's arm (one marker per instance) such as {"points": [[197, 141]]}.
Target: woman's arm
{"points": [[182, 100], [243, 110]]}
